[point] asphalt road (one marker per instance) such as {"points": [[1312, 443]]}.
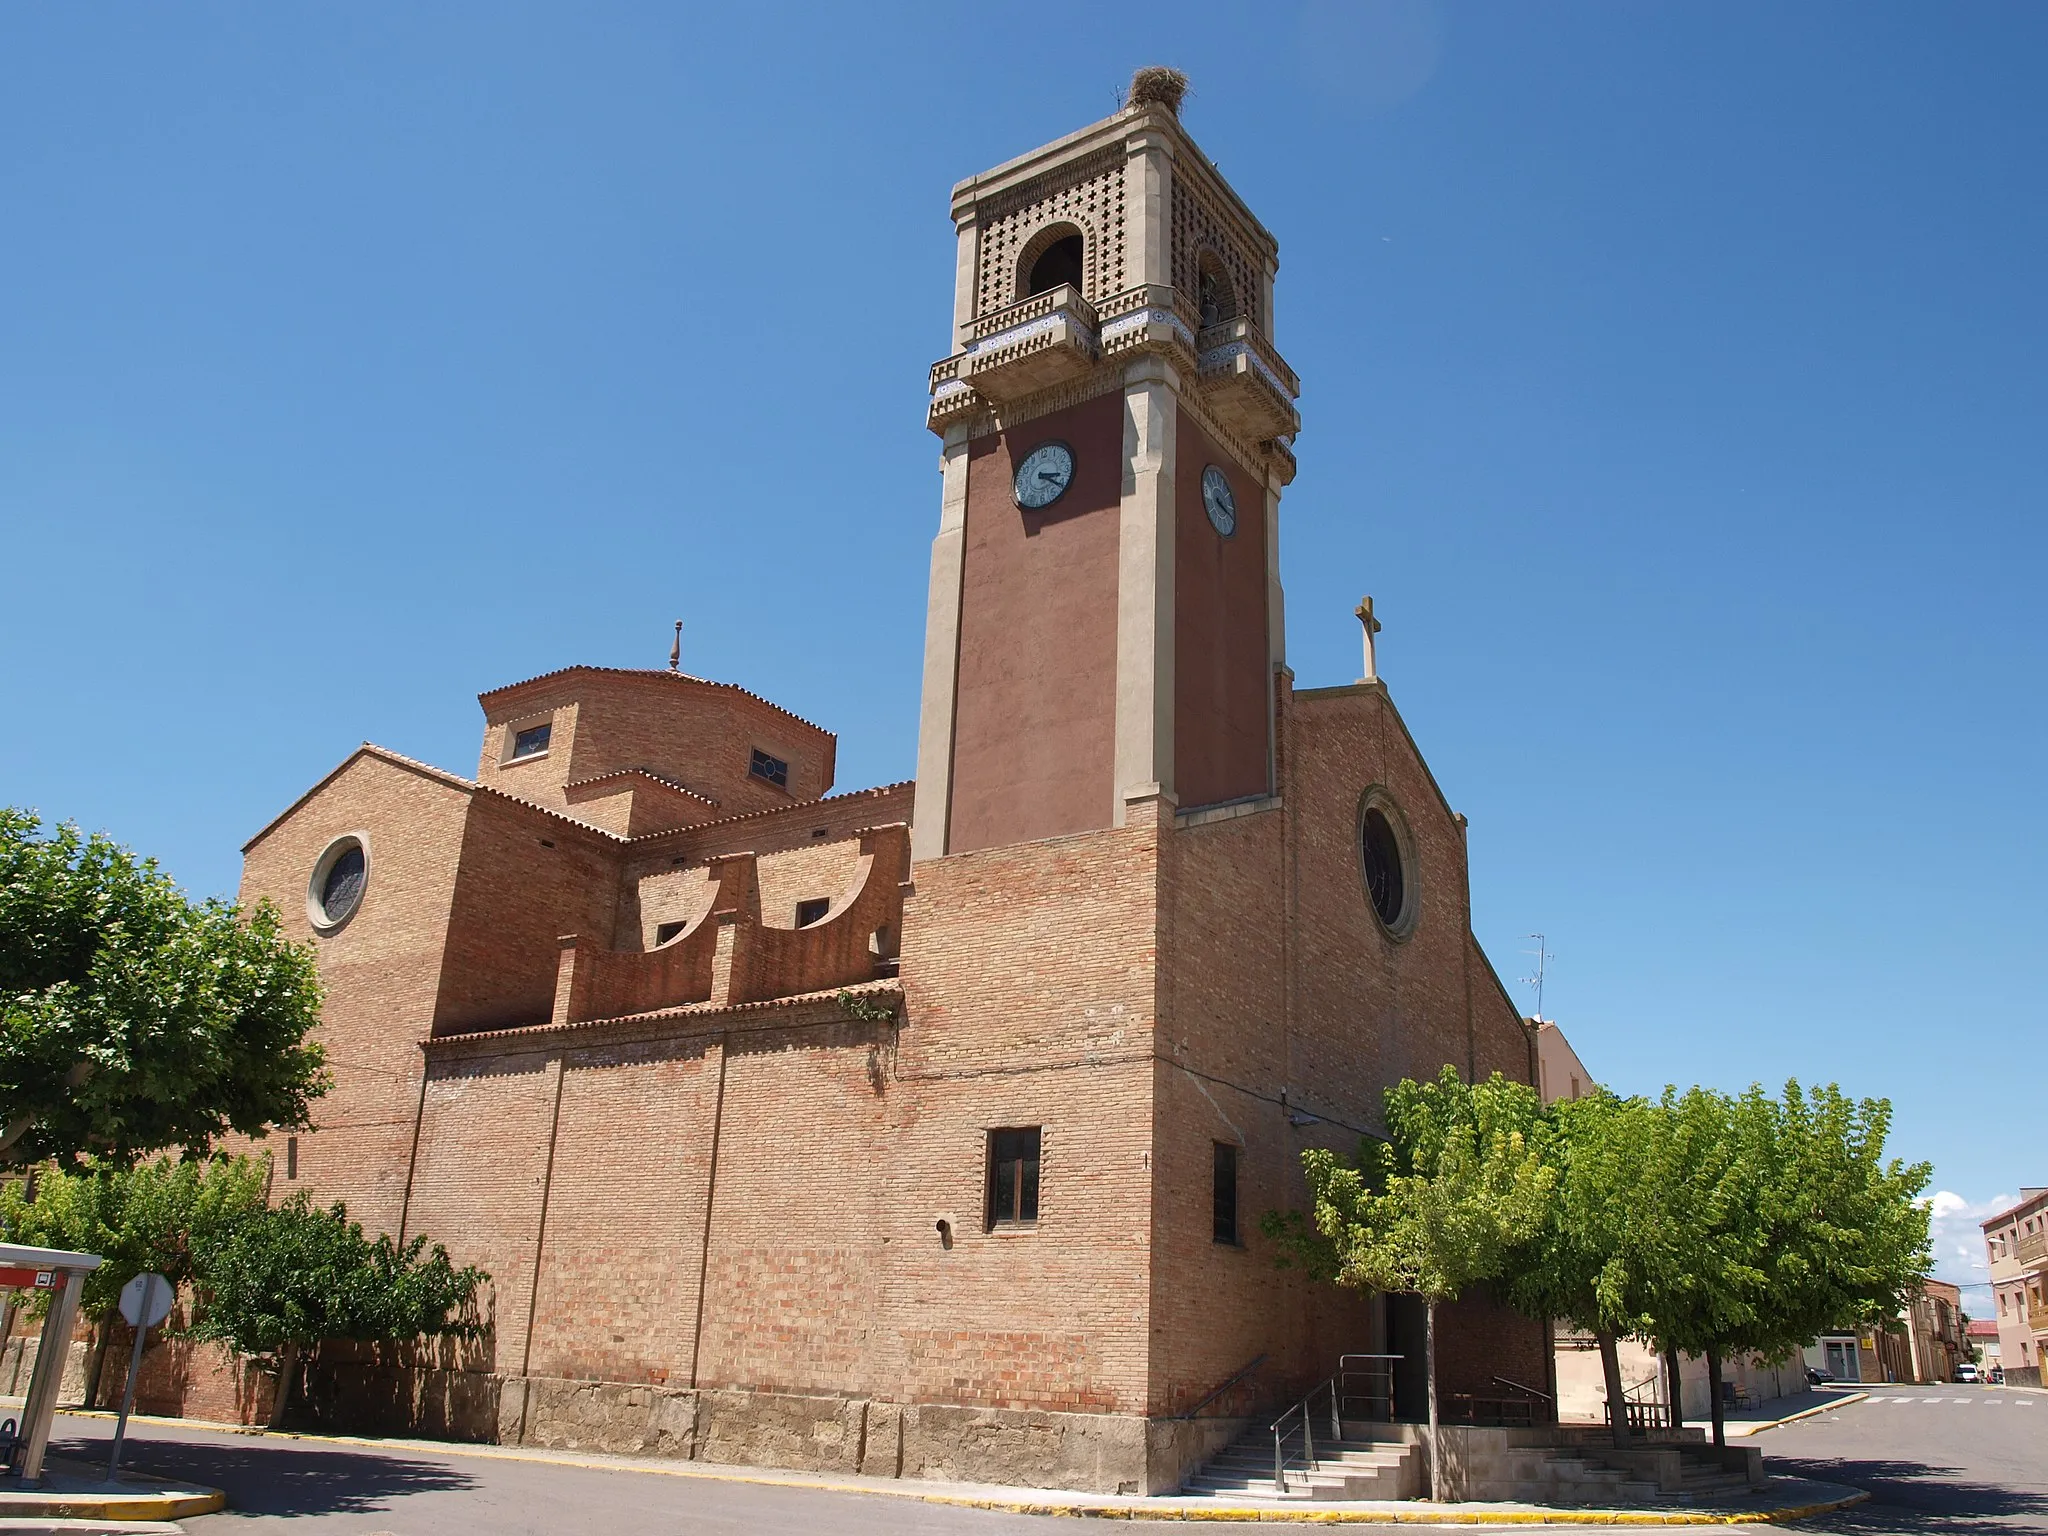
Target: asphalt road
{"points": [[1972, 1459], [1935, 1459], [340, 1490]]}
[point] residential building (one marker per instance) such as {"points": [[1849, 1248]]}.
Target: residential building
{"points": [[1934, 1331], [1925, 1343], [1559, 1072], [2016, 1243], [1982, 1339]]}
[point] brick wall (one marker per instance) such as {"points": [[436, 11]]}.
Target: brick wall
{"points": [[1139, 993], [625, 1229], [1034, 732], [700, 733], [381, 970], [1222, 683], [527, 879]]}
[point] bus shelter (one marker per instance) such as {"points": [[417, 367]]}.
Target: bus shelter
{"points": [[61, 1277]]}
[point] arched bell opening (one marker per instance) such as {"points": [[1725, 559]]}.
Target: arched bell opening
{"points": [[1057, 255]]}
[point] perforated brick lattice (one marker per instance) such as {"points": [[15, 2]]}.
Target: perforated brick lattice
{"points": [[1198, 228], [1091, 198]]}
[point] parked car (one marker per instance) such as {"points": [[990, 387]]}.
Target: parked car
{"points": [[1816, 1377], [1967, 1371]]}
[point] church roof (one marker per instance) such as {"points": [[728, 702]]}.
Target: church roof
{"points": [[677, 785], [875, 792], [646, 674]]}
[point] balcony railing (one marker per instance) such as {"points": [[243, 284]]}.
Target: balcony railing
{"points": [[1244, 382], [2031, 1248], [1031, 345]]}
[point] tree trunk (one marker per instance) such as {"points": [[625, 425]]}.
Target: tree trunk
{"points": [[1617, 1399], [1714, 1394], [1436, 1461], [96, 1362], [287, 1373], [1674, 1387]]}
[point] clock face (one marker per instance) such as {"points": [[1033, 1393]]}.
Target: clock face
{"points": [[1044, 476], [1218, 502]]}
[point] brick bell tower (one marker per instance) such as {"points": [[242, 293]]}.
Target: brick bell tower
{"points": [[1105, 609]]}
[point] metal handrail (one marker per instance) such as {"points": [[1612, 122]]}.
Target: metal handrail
{"points": [[1642, 1412], [1229, 1381], [1378, 1369], [1502, 1381], [1302, 1411]]}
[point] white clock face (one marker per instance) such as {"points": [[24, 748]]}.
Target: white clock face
{"points": [[1218, 502], [1044, 476]]}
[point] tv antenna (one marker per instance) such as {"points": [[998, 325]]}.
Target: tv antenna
{"points": [[1542, 956]]}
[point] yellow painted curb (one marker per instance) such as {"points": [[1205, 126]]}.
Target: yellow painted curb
{"points": [[1227, 1514], [116, 1506]]}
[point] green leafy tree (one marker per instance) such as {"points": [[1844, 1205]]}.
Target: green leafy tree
{"points": [[155, 1216], [133, 1020], [1837, 1231], [1460, 1183], [1721, 1227], [1697, 1241], [296, 1274], [1585, 1263]]}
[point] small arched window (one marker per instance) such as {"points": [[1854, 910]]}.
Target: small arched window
{"points": [[1059, 262], [1218, 299]]}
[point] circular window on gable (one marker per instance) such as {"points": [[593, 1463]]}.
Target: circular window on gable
{"points": [[336, 889], [1386, 863]]}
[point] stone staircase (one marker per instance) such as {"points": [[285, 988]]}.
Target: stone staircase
{"points": [[1372, 1461], [1564, 1468]]}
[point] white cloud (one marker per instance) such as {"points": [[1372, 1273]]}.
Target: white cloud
{"points": [[1956, 1234]]}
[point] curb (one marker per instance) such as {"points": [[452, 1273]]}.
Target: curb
{"points": [[118, 1507], [1806, 1413], [1224, 1514], [1424, 1516]]}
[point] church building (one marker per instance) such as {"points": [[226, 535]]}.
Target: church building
{"points": [[926, 1129]]}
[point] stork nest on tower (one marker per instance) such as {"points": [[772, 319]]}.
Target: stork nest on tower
{"points": [[1159, 85]]}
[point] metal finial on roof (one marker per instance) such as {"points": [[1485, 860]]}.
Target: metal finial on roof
{"points": [[675, 652]]}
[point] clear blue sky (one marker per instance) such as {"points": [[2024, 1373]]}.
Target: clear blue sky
{"points": [[1673, 379]]}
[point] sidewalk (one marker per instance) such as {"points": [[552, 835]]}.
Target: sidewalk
{"points": [[1743, 1422], [1781, 1500], [71, 1490]]}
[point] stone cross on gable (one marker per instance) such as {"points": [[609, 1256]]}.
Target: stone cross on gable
{"points": [[1363, 613]]}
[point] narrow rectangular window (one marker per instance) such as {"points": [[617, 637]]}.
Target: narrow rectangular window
{"points": [[1013, 1177], [663, 932], [291, 1157], [814, 910], [531, 742], [1223, 1200], [773, 769]]}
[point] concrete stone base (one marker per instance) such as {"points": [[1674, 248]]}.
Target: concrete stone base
{"points": [[1569, 1465], [1087, 1452]]}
